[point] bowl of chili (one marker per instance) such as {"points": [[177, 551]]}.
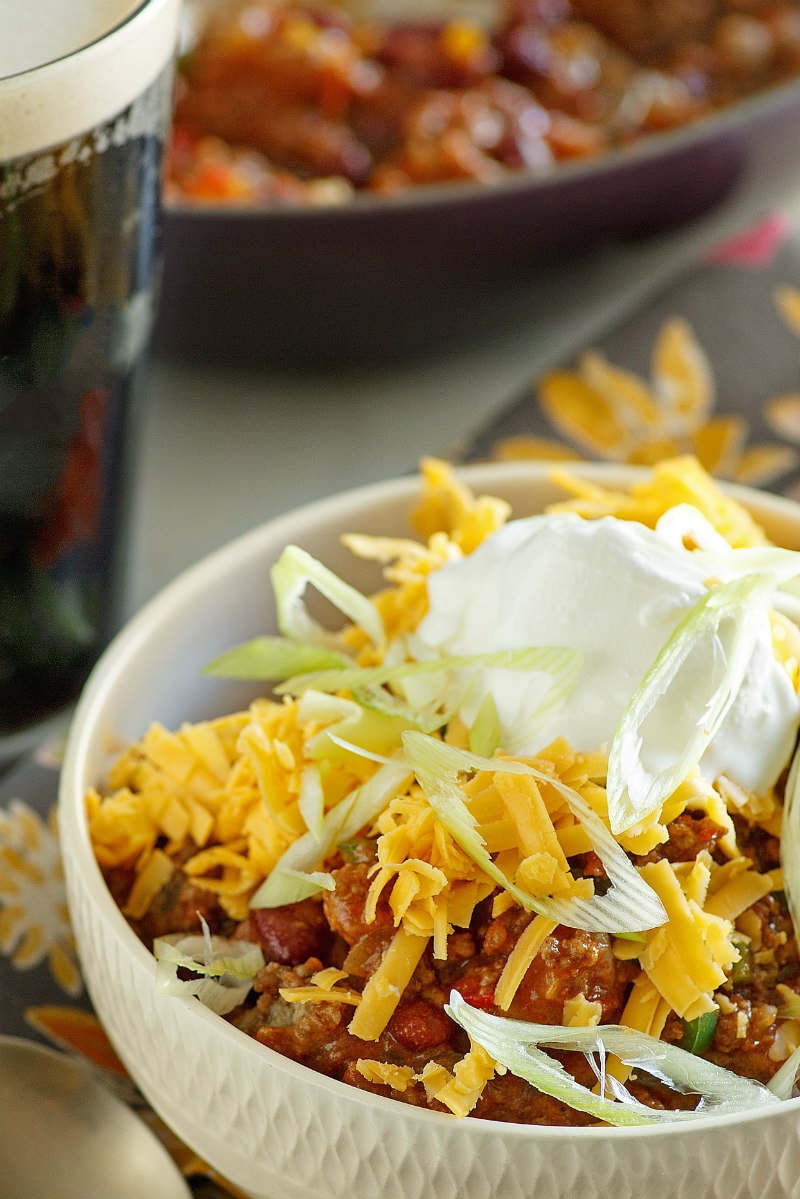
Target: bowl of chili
{"points": [[281, 1104], [346, 187]]}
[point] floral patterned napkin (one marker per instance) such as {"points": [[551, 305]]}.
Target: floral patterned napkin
{"points": [[42, 996], [710, 367]]}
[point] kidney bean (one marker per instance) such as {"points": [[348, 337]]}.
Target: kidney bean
{"points": [[418, 1025], [292, 933]]}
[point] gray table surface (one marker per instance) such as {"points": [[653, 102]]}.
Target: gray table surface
{"points": [[223, 450]]}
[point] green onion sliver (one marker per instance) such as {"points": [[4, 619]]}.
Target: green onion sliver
{"points": [[629, 904], [290, 575], [222, 968], [731, 615], [517, 1045], [273, 658], [295, 869]]}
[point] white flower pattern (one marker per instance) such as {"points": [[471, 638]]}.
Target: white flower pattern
{"points": [[34, 920]]}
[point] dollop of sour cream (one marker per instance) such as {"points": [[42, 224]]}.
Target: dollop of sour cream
{"points": [[615, 590]]}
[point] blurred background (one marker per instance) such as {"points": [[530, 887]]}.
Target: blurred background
{"points": [[305, 349]]}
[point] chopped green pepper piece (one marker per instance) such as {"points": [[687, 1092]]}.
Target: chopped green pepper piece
{"points": [[699, 1033], [742, 971]]}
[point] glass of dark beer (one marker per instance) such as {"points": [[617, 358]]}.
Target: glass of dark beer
{"points": [[85, 101]]}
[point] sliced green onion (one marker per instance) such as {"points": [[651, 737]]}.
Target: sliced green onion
{"points": [[782, 564], [679, 707], [629, 904], [485, 731], [784, 1081], [426, 719], [291, 574], [273, 658], [341, 823], [560, 662], [348, 727], [358, 750], [213, 957], [320, 708], [444, 698], [684, 523], [222, 968], [294, 885], [546, 659], [311, 799], [516, 1045]]}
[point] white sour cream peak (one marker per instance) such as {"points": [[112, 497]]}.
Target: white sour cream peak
{"points": [[616, 591]]}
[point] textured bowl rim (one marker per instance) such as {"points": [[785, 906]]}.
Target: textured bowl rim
{"points": [[87, 722]]}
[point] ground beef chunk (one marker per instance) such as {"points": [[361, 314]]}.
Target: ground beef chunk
{"points": [[507, 1097], [311, 1033], [571, 962], [344, 906], [689, 834], [774, 958], [744, 1037], [756, 843], [365, 956], [180, 906], [316, 1033]]}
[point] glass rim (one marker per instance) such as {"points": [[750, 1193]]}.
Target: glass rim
{"points": [[48, 63], [49, 104]]}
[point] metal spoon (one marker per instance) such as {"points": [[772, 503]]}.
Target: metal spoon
{"points": [[63, 1135]]}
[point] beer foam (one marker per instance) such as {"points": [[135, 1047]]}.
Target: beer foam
{"points": [[35, 34], [66, 67]]}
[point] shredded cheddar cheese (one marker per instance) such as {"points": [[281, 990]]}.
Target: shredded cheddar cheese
{"points": [[646, 1011], [322, 988], [449, 507], [229, 788], [151, 879], [385, 987], [686, 959], [399, 1078], [462, 1092], [458, 1091], [580, 1012], [319, 995], [729, 901], [671, 482], [520, 958]]}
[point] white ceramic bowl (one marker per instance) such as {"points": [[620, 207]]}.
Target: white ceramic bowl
{"points": [[275, 1128]]}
